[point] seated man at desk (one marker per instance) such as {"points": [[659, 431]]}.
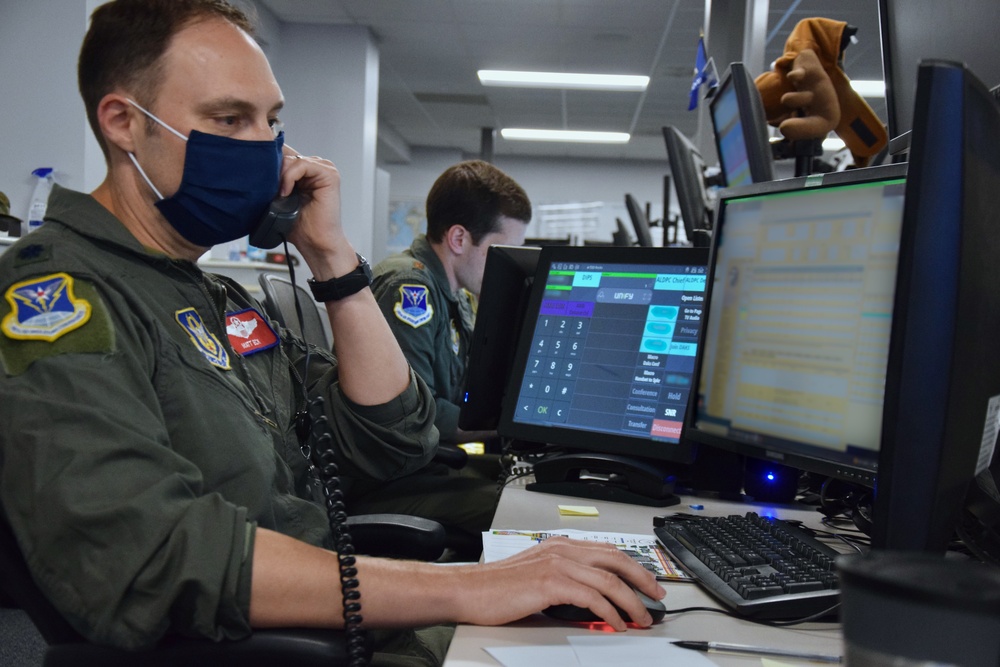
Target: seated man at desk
{"points": [[424, 291], [146, 449]]}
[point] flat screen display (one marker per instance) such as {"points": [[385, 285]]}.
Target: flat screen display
{"points": [[797, 334], [607, 350]]}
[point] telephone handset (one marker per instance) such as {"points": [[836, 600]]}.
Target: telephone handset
{"points": [[277, 222]]}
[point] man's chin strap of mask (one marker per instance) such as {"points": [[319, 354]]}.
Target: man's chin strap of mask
{"points": [[131, 155]]}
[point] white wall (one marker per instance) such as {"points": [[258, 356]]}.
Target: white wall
{"points": [[43, 122], [329, 77], [548, 181]]}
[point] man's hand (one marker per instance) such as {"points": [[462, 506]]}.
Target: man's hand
{"points": [[318, 234], [558, 571]]}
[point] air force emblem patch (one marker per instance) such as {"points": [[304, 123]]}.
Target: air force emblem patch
{"points": [[44, 308], [413, 307], [203, 339]]}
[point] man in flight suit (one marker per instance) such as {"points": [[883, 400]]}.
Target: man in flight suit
{"points": [[147, 442], [424, 292]]}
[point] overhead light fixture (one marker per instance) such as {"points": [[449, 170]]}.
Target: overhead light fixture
{"points": [[868, 88], [579, 136], [624, 82]]}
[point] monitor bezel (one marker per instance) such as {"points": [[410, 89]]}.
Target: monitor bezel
{"points": [[574, 439], [753, 122], [861, 475]]}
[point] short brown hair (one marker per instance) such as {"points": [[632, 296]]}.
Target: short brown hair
{"points": [[126, 40], [474, 194]]}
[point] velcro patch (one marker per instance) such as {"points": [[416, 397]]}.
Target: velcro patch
{"points": [[203, 339], [52, 315], [414, 307], [44, 308], [249, 332]]}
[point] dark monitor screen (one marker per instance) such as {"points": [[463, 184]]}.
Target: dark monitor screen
{"points": [[914, 30], [688, 175], [741, 129], [639, 221], [502, 300], [607, 351], [797, 332], [942, 394]]}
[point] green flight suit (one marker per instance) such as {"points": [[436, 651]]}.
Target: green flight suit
{"points": [[432, 325], [140, 450]]}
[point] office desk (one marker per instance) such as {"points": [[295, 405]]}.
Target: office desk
{"points": [[520, 508]]}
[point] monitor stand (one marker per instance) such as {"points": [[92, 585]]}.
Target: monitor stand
{"points": [[605, 477]]}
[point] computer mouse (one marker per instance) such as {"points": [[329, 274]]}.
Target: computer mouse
{"points": [[575, 614]]}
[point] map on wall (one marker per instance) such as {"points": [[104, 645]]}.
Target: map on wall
{"points": [[406, 221]]}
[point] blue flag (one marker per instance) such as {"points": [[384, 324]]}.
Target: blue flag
{"points": [[704, 72]]}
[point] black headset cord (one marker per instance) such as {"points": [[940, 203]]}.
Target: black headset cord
{"points": [[316, 445]]}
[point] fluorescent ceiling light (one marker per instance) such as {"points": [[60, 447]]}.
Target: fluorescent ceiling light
{"points": [[869, 88], [495, 77], [517, 134]]}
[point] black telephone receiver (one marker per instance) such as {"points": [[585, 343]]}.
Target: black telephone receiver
{"points": [[277, 222]]}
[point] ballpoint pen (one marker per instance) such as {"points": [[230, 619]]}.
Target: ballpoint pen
{"points": [[757, 650]]}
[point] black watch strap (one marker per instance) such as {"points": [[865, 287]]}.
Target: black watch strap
{"points": [[336, 289]]}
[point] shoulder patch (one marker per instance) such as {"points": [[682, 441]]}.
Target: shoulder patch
{"points": [[414, 307], [44, 308], [249, 332], [68, 330], [203, 339]]}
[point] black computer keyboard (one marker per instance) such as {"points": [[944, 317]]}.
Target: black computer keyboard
{"points": [[757, 566]]}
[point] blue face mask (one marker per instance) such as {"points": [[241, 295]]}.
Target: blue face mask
{"points": [[226, 187]]}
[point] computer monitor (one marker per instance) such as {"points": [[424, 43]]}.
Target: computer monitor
{"points": [[913, 30], [942, 391], [796, 336], [502, 300], [604, 366], [741, 129], [620, 236], [639, 222], [688, 175]]}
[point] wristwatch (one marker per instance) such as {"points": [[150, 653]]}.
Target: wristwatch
{"points": [[336, 289]]}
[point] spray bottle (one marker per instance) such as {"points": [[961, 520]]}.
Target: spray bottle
{"points": [[40, 197]]}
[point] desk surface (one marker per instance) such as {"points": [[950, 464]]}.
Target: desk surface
{"points": [[519, 508]]}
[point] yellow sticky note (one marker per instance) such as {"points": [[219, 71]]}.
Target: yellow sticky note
{"points": [[577, 510]]}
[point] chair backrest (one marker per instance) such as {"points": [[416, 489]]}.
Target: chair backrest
{"points": [[67, 648], [279, 301]]}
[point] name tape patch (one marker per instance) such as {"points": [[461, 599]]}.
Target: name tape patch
{"points": [[249, 332]]}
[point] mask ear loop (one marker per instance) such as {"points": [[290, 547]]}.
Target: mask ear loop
{"points": [[316, 443]]}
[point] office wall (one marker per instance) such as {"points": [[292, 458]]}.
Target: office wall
{"points": [[42, 121], [548, 181]]}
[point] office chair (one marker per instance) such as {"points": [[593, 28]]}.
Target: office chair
{"points": [[67, 648], [279, 302]]}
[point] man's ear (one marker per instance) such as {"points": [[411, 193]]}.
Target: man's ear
{"points": [[457, 238], [117, 119]]}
